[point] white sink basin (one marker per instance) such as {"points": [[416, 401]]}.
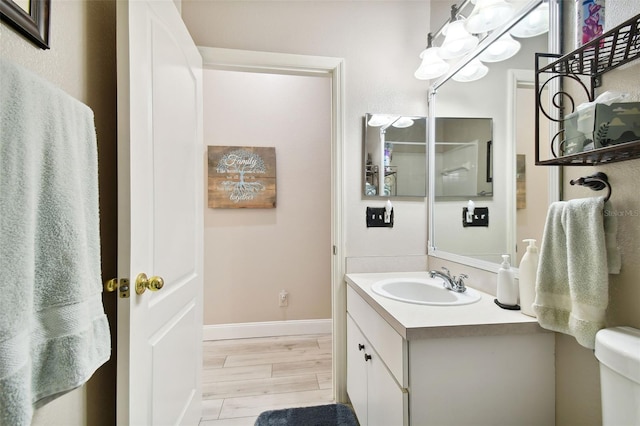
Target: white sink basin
{"points": [[423, 291]]}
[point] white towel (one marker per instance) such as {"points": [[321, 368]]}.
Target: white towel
{"points": [[53, 330], [572, 283]]}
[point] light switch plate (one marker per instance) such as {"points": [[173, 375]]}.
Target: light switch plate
{"points": [[480, 217], [375, 218]]}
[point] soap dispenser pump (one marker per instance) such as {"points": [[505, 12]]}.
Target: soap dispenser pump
{"points": [[527, 281], [507, 291]]}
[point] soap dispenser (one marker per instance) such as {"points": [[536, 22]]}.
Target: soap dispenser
{"points": [[507, 293], [527, 282]]}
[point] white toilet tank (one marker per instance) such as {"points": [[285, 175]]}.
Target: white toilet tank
{"points": [[618, 350]]}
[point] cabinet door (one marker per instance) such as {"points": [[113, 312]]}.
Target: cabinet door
{"points": [[387, 401], [356, 371]]}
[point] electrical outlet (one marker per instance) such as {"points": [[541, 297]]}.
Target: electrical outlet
{"points": [[283, 298]]}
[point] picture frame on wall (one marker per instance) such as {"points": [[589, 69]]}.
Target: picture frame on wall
{"points": [[29, 17], [241, 177]]}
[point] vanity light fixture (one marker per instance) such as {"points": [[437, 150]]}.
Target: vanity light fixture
{"points": [[473, 71], [402, 123], [457, 42], [488, 15], [385, 120], [378, 120], [503, 48], [534, 24], [432, 65]]}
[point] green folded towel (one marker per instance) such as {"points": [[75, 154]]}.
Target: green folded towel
{"points": [[53, 330], [572, 283]]}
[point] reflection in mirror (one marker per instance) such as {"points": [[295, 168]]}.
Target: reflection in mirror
{"points": [[397, 146], [521, 191], [463, 165]]}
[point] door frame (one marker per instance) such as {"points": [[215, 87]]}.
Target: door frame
{"points": [[321, 66]]}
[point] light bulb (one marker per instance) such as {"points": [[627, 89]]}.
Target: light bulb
{"points": [[474, 70], [488, 15], [378, 120], [534, 24], [503, 48], [402, 123], [432, 65], [457, 41]]}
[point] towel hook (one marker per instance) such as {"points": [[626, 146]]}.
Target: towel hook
{"points": [[596, 182]]}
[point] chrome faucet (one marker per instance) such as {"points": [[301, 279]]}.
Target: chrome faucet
{"points": [[451, 282]]}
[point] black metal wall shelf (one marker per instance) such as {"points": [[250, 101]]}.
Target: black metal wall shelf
{"points": [[587, 63]]}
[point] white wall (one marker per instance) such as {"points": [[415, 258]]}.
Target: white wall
{"points": [[380, 42], [252, 254]]}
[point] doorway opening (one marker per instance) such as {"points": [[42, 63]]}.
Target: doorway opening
{"points": [[295, 247]]}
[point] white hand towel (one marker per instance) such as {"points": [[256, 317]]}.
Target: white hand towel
{"points": [[53, 330], [572, 284]]}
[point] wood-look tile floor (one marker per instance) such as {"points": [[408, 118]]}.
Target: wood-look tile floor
{"points": [[244, 377]]}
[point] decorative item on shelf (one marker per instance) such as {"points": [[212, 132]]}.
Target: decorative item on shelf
{"points": [[432, 65], [603, 131], [589, 20], [488, 15]]}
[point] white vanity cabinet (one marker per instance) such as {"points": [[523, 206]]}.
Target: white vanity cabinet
{"points": [[376, 397], [376, 374], [488, 374]]}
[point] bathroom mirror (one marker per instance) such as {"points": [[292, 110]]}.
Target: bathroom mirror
{"points": [[397, 146], [463, 158], [505, 95]]}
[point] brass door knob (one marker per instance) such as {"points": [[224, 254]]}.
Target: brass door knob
{"points": [[143, 283]]}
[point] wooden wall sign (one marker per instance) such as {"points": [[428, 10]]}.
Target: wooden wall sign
{"points": [[242, 177]]}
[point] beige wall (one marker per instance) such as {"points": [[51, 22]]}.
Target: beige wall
{"points": [[82, 62], [380, 42], [252, 254], [578, 383]]}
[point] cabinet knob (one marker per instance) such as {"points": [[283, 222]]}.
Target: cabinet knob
{"points": [[367, 357], [360, 346]]}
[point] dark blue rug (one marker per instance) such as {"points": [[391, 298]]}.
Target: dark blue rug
{"points": [[319, 415]]}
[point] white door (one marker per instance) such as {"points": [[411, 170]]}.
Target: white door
{"points": [[160, 209]]}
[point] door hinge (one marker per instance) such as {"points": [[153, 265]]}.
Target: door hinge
{"points": [[335, 250], [121, 285]]}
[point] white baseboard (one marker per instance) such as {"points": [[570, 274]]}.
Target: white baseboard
{"points": [[265, 329]]}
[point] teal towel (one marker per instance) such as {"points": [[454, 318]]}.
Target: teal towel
{"points": [[572, 283], [53, 330]]}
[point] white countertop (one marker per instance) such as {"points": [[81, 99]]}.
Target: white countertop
{"points": [[413, 321]]}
